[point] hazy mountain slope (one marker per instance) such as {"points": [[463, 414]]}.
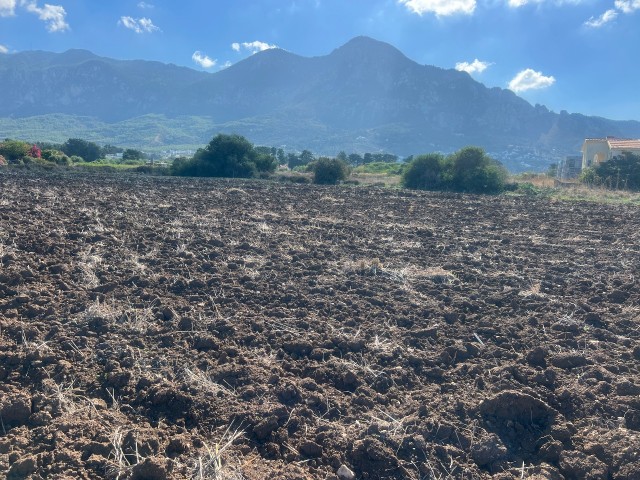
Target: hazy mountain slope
{"points": [[363, 96], [79, 83]]}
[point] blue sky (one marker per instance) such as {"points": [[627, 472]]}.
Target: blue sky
{"points": [[575, 55]]}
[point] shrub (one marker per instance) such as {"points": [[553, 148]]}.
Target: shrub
{"points": [[55, 156], [467, 170], [621, 172], [589, 176], [35, 152], [329, 171], [151, 170], [294, 178], [226, 156], [475, 172], [14, 150], [425, 172]]}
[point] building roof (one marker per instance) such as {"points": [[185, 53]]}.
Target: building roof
{"points": [[616, 143], [623, 144]]}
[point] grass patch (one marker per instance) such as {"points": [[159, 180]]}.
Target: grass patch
{"points": [[381, 168]]}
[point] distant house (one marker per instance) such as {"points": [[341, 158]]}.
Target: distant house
{"points": [[598, 150]]}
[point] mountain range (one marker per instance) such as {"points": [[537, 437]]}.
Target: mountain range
{"points": [[365, 96]]}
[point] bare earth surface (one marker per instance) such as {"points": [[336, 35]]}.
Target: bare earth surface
{"points": [[171, 328]]}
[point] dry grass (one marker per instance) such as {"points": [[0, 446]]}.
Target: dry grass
{"points": [[540, 180], [213, 463]]}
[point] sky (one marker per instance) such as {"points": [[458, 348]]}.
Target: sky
{"points": [[581, 56]]}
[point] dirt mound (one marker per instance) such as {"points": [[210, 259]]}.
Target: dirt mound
{"points": [[175, 328]]}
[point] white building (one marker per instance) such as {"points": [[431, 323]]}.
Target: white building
{"points": [[598, 150]]}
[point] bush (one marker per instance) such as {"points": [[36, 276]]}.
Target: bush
{"points": [[589, 176], [329, 171], [230, 156], [294, 178], [56, 156], [621, 172], [14, 150], [425, 172], [467, 170], [475, 172], [151, 170]]}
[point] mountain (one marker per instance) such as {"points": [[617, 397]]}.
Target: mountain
{"points": [[363, 96]]}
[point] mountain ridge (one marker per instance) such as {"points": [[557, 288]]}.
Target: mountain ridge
{"points": [[365, 95]]}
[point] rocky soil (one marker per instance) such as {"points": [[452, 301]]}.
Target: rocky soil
{"points": [[173, 328]]}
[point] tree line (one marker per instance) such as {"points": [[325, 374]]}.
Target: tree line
{"points": [[73, 150], [467, 170]]}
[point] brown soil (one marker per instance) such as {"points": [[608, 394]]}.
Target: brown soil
{"points": [[172, 328]]}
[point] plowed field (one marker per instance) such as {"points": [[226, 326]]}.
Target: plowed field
{"points": [[173, 328]]}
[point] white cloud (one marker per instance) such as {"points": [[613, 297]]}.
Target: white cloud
{"points": [[139, 25], [203, 60], [252, 47], [530, 80], [627, 6], [520, 3], [624, 6], [3, 49], [441, 8], [476, 66], [145, 5], [7, 8], [606, 17], [53, 15]]}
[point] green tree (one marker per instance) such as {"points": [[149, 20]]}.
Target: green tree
{"points": [[329, 171], [425, 172], [132, 154], [226, 156], [355, 159], [14, 150], [306, 157], [89, 151], [111, 150]]}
